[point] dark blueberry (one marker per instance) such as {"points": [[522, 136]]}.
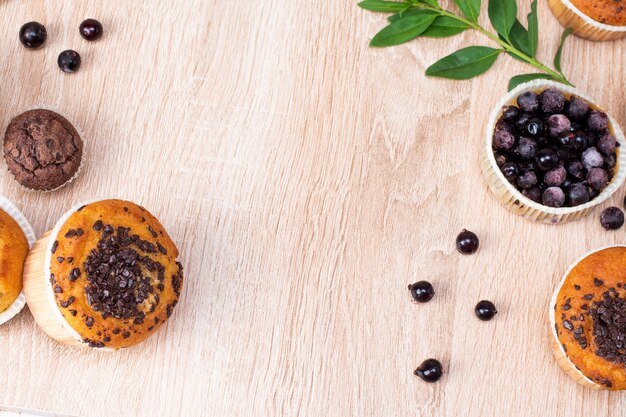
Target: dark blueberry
{"points": [[69, 61], [552, 101], [527, 166], [485, 310], [577, 194], [534, 127], [578, 108], [533, 193], [504, 125], [553, 197], [576, 169], [598, 121], [574, 126], [510, 113], [467, 242], [610, 161], [528, 101], [527, 179], [521, 121], [422, 291], [606, 144], [33, 35], [91, 30], [612, 218], [556, 176], [557, 124], [526, 148], [430, 370], [592, 158], [546, 159], [592, 193], [566, 139], [565, 155], [503, 140], [501, 158], [580, 141], [597, 178], [510, 171], [566, 184]]}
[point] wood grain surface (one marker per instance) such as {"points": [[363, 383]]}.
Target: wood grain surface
{"points": [[307, 179]]}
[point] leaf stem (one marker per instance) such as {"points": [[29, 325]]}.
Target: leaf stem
{"points": [[508, 47]]}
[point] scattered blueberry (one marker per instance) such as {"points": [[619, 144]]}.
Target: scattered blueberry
{"points": [[422, 291], [69, 61], [485, 310], [430, 370], [612, 218], [33, 35], [467, 242], [91, 30]]}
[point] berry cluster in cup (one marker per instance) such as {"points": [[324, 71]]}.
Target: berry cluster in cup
{"points": [[33, 35], [557, 151]]}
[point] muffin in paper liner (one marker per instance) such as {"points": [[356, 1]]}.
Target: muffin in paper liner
{"points": [[9, 208], [49, 287], [82, 160], [560, 350], [570, 16], [513, 199]]}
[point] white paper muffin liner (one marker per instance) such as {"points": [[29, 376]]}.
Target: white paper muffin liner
{"points": [[513, 199], [559, 353], [570, 16], [9, 208], [82, 160]]}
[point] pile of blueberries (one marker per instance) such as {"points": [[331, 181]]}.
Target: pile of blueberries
{"points": [[431, 370], [557, 151], [33, 35]]}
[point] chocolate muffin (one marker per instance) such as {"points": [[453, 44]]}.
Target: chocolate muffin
{"points": [[42, 149], [107, 276]]}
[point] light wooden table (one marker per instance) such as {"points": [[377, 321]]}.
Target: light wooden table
{"points": [[307, 180]]}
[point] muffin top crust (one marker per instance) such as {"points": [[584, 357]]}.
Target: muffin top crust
{"points": [[114, 273], [590, 317], [609, 12], [13, 251], [42, 149]]}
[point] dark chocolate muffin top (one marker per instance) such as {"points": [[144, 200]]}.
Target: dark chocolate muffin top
{"points": [[42, 149]]}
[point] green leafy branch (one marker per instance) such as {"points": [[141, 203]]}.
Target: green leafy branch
{"points": [[426, 18]]}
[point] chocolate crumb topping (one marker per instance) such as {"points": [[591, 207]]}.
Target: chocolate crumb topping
{"points": [[567, 325], [587, 297], [97, 226], [81, 207], [89, 321], [126, 335], [117, 285], [70, 233], [70, 259], [73, 312], [55, 245], [598, 282], [609, 327], [577, 287], [60, 259]]}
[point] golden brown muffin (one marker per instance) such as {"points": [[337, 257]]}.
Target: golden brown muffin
{"points": [[609, 12], [13, 251], [112, 272], [589, 319]]}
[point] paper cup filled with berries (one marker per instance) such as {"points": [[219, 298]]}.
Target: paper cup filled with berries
{"points": [[551, 152]]}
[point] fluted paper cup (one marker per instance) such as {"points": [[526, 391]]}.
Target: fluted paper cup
{"points": [[570, 16]]}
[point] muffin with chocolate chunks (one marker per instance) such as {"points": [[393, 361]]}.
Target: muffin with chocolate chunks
{"points": [[42, 149], [107, 276]]}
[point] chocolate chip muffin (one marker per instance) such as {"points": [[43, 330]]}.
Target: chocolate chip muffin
{"points": [[107, 276], [42, 149], [588, 320], [598, 20], [610, 12]]}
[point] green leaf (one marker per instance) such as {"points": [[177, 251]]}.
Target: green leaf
{"points": [[383, 6], [412, 12], [521, 79], [470, 8], [533, 29], [502, 14], [464, 63], [444, 26], [403, 29], [519, 37], [559, 52], [434, 3]]}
